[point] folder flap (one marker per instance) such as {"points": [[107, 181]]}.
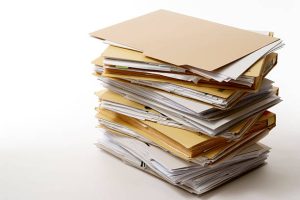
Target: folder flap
{"points": [[114, 97], [128, 54], [183, 40], [257, 69], [187, 139], [98, 61]]}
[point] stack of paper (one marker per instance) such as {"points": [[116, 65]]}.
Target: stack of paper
{"points": [[186, 99]]}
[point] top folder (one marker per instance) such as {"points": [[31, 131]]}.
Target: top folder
{"points": [[183, 40]]}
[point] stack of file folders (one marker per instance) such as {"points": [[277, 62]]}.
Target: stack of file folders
{"points": [[186, 99]]}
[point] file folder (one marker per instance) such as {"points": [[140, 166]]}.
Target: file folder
{"points": [[185, 41]]}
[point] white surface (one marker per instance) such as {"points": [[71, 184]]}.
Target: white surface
{"points": [[46, 108]]}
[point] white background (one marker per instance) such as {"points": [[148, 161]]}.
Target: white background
{"points": [[47, 124]]}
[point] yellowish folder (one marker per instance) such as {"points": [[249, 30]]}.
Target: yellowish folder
{"points": [[183, 40], [259, 70], [188, 143], [266, 119]]}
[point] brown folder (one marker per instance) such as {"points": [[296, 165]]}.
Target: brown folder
{"points": [[183, 40]]}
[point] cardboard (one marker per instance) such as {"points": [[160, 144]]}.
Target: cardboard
{"points": [[183, 40]]}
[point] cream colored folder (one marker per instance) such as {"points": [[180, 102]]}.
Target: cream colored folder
{"points": [[119, 53], [223, 93], [238, 130], [258, 71], [185, 41], [178, 141]]}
